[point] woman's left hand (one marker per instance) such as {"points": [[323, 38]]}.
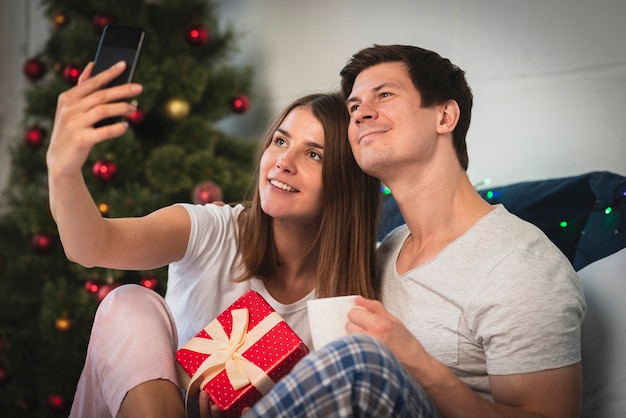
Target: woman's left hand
{"points": [[208, 410]]}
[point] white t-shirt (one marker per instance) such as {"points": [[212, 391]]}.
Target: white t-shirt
{"points": [[200, 285], [501, 299]]}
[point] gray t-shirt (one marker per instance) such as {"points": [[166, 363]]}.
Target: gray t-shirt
{"points": [[501, 299]]}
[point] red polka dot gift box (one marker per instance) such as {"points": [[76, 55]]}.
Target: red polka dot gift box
{"points": [[240, 355]]}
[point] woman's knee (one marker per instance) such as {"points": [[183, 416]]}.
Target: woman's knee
{"points": [[131, 300], [132, 309]]}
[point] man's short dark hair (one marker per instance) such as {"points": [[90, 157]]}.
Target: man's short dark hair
{"points": [[435, 78]]}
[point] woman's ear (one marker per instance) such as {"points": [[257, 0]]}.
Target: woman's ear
{"points": [[449, 113]]}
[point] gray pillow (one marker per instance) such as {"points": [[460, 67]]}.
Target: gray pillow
{"points": [[604, 337]]}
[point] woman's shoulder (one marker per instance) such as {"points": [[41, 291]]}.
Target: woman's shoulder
{"points": [[212, 210]]}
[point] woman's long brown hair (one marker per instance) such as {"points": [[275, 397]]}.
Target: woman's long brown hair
{"points": [[346, 242]]}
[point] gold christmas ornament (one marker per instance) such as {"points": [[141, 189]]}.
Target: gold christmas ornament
{"points": [[177, 109], [63, 324], [103, 208], [60, 19]]}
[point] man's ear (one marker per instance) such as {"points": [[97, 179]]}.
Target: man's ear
{"points": [[449, 113]]}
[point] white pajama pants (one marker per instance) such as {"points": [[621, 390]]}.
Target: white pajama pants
{"points": [[133, 340]]}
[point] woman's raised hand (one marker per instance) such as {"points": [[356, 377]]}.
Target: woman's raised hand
{"points": [[78, 109]]}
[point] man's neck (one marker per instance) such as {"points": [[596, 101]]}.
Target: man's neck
{"points": [[438, 206]]}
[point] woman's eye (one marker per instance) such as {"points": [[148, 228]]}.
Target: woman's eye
{"points": [[280, 141], [314, 155]]}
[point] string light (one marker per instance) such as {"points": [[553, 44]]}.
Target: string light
{"points": [[608, 210], [484, 182], [103, 208]]}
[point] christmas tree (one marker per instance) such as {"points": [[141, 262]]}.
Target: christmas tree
{"points": [[173, 153]]}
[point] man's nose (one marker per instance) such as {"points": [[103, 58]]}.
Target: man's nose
{"points": [[363, 112]]}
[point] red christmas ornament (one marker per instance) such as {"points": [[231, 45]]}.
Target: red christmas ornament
{"points": [[91, 286], [197, 35], [71, 73], [240, 103], [104, 170], [34, 137], [137, 117], [149, 282], [23, 404], [41, 243], [100, 20], [5, 377], [4, 344], [34, 69], [206, 192], [57, 403], [105, 289]]}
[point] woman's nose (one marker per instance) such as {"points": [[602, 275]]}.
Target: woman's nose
{"points": [[285, 163]]}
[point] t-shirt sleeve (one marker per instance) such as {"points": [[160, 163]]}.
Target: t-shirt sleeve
{"points": [[211, 227]]}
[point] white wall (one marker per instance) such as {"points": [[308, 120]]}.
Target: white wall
{"points": [[22, 32], [549, 76]]}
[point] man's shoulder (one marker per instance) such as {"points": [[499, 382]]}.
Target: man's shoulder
{"points": [[394, 239]]}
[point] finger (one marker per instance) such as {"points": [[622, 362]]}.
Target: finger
{"points": [[245, 410], [358, 320], [111, 102], [106, 132], [85, 112], [368, 316], [86, 72], [216, 411], [109, 110], [370, 305], [98, 81], [204, 405], [353, 328]]}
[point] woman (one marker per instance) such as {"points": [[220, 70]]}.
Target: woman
{"points": [[308, 231]]}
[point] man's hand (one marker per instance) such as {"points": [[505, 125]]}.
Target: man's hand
{"points": [[371, 318]]}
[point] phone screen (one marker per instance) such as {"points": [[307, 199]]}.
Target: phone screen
{"points": [[118, 43]]}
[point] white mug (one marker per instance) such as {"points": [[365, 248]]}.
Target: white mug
{"points": [[328, 318]]}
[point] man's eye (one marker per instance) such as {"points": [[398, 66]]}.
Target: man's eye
{"points": [[353, 108]]}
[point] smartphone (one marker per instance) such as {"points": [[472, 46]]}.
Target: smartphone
{"points": [[118, 43]]}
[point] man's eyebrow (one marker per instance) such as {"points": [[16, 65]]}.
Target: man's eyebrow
{"points": [[375, 89]]}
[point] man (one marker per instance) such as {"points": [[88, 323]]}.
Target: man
{"points": [[482, 312]]}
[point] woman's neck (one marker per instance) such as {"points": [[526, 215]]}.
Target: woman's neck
{"points": [[296, 272]]}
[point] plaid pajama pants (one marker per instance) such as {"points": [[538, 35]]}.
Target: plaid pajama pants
{"points": [[352, 377]]}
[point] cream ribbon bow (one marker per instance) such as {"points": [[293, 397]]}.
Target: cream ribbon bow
{"points": [[226, 353]]}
